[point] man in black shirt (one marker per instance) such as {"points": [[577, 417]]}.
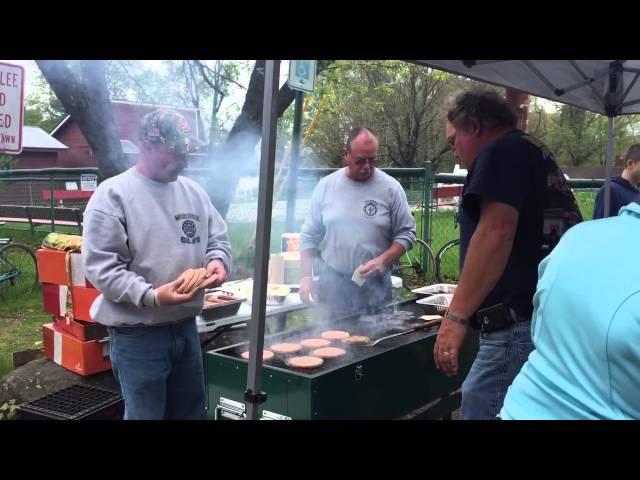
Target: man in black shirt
{"points": [[516, 205]]}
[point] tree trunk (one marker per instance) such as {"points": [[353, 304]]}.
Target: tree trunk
{"points": [[520, 102], [240, 146], [85, 97]]}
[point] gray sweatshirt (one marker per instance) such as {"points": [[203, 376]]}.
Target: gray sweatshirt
{"points": [[351, 222], [140, 234]]}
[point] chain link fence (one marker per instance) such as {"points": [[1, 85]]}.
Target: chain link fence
{"points": [[61, 189]]}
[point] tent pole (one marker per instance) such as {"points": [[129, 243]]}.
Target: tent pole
{"points": [[608, 167]]}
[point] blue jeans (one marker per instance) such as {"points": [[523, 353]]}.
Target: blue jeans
{"points": [[500, 357], [160, 371]]}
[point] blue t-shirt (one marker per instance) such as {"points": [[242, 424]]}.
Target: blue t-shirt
{"points": [[622, 193], [585, 329], [520, 171]]}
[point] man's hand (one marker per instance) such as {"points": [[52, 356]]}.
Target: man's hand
{"points": [[191, 280], [447, 347], [216, 274], [374, 267], [306, 285], [168, 293]]}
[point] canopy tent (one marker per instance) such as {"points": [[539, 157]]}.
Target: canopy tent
{"points": [[608, 87]]}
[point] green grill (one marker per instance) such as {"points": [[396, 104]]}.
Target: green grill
{"points": [[387, 381]]}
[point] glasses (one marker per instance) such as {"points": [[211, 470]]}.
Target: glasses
{"points": [[362, 161]]}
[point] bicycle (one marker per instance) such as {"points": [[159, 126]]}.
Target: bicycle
{"points": [[18, 269], [409, 267], [448, 262], [448, 258]]}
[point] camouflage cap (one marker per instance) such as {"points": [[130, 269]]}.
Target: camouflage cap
{"points": [[166, 126]]}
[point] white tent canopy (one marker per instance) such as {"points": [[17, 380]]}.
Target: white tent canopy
{"points": [[608, 87]]}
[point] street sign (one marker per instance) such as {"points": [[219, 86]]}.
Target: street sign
{"points": [[11, 107], [302, 75], [88, 181]]}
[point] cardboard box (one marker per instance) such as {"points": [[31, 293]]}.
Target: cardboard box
{"points": [[83, 358], [53, 266], [80, 329], [76, 266], [81, 300], [55, 299]]}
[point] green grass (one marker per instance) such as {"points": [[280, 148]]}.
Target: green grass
{"points": [[443, 230], [21, 317], [241, 236]]}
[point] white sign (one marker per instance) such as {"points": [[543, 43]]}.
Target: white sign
{"points": [[71, 185], [88, 181], [11, 107], [302, 75]]}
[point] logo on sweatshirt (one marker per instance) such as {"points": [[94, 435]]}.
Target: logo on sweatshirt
{"points": [[370, 208], [189, 227]]}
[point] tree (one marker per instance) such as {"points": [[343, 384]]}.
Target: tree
{"points": [[81, 88], [42, 107], [579, 137], [403, 103], [239, 147]]}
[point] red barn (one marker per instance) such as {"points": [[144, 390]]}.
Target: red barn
{"points": [[127, 116], [39, 149]]}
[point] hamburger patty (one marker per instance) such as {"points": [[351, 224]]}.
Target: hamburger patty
{"points": [[315, 343], [286, 347], [328, 352], [356, 340], [266, 355], [334, 334], [305, 362]]}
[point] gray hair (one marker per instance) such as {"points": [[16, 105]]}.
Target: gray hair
{"points": [[487, 107]]}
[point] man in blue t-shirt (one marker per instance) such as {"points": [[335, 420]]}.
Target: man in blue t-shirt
{"points": [[516, 205], [624, 187]]}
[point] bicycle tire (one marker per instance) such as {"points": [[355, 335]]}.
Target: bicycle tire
{"points": [[440, 256], [23, 259], [413, 277]]}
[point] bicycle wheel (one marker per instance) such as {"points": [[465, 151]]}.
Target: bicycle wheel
{"points": [[410, 267], [18, 270], [448, 262]]}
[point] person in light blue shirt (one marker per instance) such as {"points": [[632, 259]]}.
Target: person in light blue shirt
{"points": [[585, 329]]}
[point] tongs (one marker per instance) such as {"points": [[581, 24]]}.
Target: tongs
{"points": [[415, 328]]}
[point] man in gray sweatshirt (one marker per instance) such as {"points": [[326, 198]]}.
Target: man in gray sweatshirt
{"points": [[142, 230], [359, 217]]}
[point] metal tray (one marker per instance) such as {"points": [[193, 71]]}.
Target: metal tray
{"points": [[436, 304], [221, 310], [429, 290]]}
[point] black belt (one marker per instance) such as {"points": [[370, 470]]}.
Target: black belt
{"points": [[497, 317]]}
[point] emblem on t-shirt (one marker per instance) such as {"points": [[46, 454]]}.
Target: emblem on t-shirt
{"points": [[189, 227], [370, 208]]}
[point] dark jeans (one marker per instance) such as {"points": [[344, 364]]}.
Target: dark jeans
{"points": [[500, 358], [160, 371]]}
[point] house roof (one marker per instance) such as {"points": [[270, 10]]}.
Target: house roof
{"points": [[36, 138]]}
